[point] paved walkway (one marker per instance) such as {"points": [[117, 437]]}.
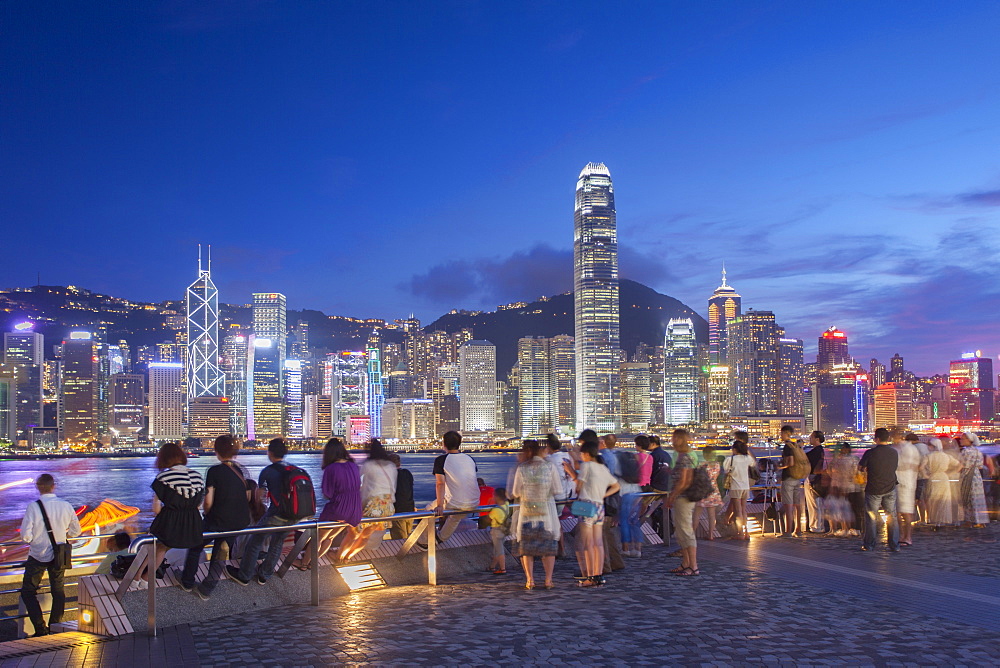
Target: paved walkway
{"points": [[809, 601]]}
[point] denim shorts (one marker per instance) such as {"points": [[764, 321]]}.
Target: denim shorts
{"points": [[789, 490]]}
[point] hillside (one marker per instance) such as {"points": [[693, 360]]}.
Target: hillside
{"points": [[644, 316]]}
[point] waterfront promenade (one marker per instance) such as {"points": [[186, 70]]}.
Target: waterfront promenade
{"points": [[808, 601]]}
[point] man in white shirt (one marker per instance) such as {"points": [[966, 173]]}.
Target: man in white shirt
{"points": [[41, 557], [455, 484]]}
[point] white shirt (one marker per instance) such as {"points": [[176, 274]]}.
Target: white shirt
{"points": [[63, 519], [556, 459], [595, 479], [461, 490], [737, 466], [378, 478]]}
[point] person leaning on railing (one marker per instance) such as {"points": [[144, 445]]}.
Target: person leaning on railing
{"points": [[178, 495], [342, 487]]}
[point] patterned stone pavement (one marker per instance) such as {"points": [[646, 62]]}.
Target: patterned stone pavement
{"points": [[810, 601]]}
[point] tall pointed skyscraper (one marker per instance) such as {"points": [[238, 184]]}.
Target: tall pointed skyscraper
{"points": [[204, 378], [595, 285], [723, 306]]}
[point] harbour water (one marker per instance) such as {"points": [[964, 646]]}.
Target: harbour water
{"points": [[127, 479]]}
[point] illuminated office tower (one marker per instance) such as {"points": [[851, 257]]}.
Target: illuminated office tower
{"points": [[972, 388], [375, 397], [8, 410], [477, 362], [166, 401], [876, 373], [233, 364], [682, 373], [754, 367], [78, 392], [718, 394], [293, 399], [265, 414], [897, 374], [832, 346], [204, 379], [536, 395], [893, 405], [634, 384], [408, 420], [300, 340], [562, 354], [724, 305], [348, 389], [23, 355], [791, 381], [128, 400], [269, 314], [595, 300], [317, 419], [208, 417], [862, 403]]}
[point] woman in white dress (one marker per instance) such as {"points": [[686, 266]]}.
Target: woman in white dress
{"points": [[536, 486], [737, 468], [937, 469]]}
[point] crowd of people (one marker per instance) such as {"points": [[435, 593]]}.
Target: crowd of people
{"points": [[611, 490]]}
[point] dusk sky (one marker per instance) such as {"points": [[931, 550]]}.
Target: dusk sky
{"points": [[377, 158]]}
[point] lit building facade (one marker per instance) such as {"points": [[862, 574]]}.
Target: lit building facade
{"points": [[234, 369], [375, 398], [78, 404], [293, 399], [208, 417], [972, 388], [893, 405], [204, 378], [269, 322], [348, 385], [265, 411], [596, 307], [128, 401], [754, 365], [477, 361], [562, 356], [791, 381], [832, 347], [408, 419], [536, 389], [635, 407], [317, 416], [23, 355], [166, 401], [724, 305], [682, 373], [718, 394]]}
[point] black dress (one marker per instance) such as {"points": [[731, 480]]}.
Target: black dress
{"points": [[178, 524]]}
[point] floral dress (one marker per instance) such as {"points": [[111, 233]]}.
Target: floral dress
{"points": [[971, 482], [537, 485], [714, 499]]}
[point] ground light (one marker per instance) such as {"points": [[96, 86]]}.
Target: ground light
{"points": [[87, 616], [361, 576]]}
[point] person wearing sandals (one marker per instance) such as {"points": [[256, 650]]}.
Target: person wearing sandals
{"points": [[594, 483], [378, 494], [681, 477], [711, 503], [536, 487], [342, 487], [737, 468], [227, 508]]}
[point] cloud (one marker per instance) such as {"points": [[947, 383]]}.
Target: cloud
{"points": [[988, 198], [980, 198], [524, 275]]}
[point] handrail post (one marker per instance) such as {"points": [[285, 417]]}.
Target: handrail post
{"points": [[314, 563], [431, 536], [151, 567]]}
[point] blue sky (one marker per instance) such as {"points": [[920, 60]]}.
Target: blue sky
{"points": [[376, 158]]}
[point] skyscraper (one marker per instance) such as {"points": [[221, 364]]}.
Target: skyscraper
{"points": [[78, 398], [536, 395], [128, 399], [832, 349], [269, 315], [893, 405], [754, 367], [724, 305], [897, 374], [562, 355], [348, 388], [876, 373], [972, 388], [293, 399], [23, 355], [204, 379], [681, 373], [375, 398], [634, 383], [718, 394], [595, 285], [265, 415], [477, 361], [791, 379], [166, 401], [234, 369]]}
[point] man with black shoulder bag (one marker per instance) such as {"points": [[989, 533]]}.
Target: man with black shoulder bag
{"points": [[48, 525]]}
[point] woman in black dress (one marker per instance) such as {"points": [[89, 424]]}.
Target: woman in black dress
{"points": [[179, 492]]}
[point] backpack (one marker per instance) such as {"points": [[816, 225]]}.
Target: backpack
{"points": [[629, 465], [506, 521], [700, 487], [123, 562], [298, 498], [800, 467]]}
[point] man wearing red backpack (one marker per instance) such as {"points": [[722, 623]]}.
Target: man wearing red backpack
{"points": [[288, 489]]}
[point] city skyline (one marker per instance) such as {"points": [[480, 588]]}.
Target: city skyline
{"points": [[845, 178]]}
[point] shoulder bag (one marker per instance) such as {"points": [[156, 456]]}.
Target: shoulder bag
{"points": [[62, 552], [582, 508]]}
